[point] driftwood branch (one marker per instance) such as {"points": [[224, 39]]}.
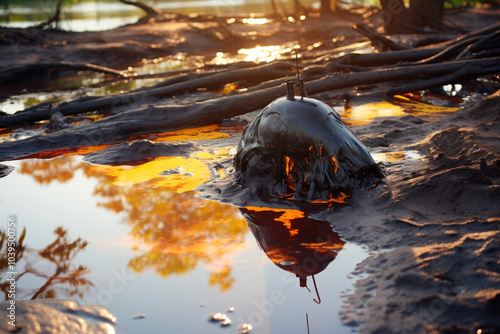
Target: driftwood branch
{"points": [[141, 121], [16, 74], [150, 11], [407, 73], [378, 38], [55, 18], [492, 39]]}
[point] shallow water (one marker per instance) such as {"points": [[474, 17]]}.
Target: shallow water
{"points": [[96, 15], [163, 253], [159, 257]]}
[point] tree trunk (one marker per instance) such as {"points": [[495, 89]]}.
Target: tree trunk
{"points": [[326, 8], [426, 13], [393, 13], [273, 6], [421, 14]]}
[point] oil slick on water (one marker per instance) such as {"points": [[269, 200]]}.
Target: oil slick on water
{"points": [[155, 249]]}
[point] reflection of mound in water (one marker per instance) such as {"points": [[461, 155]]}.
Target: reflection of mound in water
{"points": [[294, 242], [301, 148]]}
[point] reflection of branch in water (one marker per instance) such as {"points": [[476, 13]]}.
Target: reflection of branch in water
{"points": [[4, 257], [60, 253], [317, 293]]}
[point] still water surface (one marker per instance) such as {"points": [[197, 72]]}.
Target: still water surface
{"points": [[162, 259], [164, 253], [95, 15]]}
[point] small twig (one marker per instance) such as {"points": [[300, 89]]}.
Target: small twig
{"points": [[55, 18], [373, 35], [150, 11], [317, 293], [477, 44]]}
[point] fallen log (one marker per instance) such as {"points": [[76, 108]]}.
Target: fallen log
{"points": [[467, 71], [451, 51], [142, 121], [387, 57], [155, 119], [338, 81], [19, 74], [475, 47], [266, 72], [429, 54]]}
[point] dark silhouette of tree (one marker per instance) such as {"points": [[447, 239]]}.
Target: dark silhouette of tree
{"points": [[420, 15], [327, 7]]}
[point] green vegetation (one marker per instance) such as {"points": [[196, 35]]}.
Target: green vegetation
{"points": [[458, 3]]}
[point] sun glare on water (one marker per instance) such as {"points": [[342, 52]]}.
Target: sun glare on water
{"points": [[259, 54], [264, 53], [254, 21]]}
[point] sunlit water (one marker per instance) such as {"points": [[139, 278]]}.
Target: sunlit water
{"points": [[95, 15], [161, 258], [163, 254]]}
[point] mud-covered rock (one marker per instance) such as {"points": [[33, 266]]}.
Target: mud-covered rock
{"points": [[136, 152], [56, 316]]}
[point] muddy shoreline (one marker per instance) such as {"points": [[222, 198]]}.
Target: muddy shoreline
{"points": [[435, 226], [432, 225]]}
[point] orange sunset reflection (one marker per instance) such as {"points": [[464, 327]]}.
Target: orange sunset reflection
{"points": [[293, 241], [173, 231]]}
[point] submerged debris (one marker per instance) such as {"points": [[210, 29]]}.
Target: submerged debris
{"points": [[139, 316], [220, 317], [5, 170], [245, 328]]}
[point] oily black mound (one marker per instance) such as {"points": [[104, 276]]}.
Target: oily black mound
{"points": [[300, 148]]}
